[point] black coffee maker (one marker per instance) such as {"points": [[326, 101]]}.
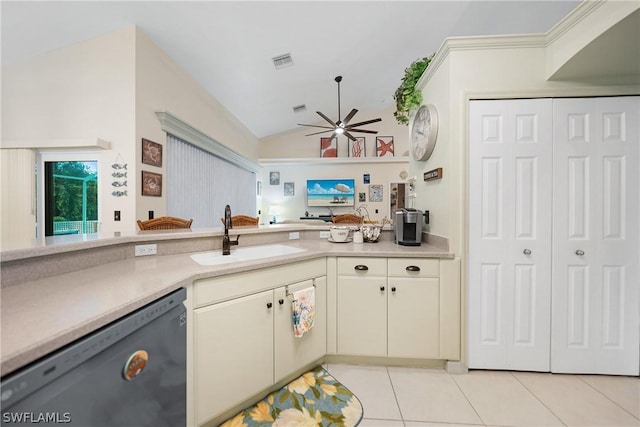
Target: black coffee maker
{"points": [[408, 226]]}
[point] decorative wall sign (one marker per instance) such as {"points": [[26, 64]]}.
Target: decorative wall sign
{"points": [[151, 153], [119, 171], [274, 178], [375, 193], [433, 174], [366, 178], [289, 188], [151, 184], [358, 147], [362, 197], [384, 146], [328, 147]]}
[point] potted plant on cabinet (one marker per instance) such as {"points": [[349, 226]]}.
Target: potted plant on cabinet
{"points": [[407, 97]]}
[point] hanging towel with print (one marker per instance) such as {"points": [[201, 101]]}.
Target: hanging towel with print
{"points": [[304, 310]]}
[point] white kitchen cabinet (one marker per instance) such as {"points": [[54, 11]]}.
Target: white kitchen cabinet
{"points": [[234, 352], [243, 334], [413, 308], [291, 353], [388, 307]]}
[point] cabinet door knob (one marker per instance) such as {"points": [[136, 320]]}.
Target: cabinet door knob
{"points": [[280, 301], [382, 288], [527, 252], [393, 289], [579, 252], [361, 267], [269, 305], [413, 268]]}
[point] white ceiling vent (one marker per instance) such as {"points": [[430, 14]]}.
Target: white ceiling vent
{"points": [[282, 61], [299, 108]]}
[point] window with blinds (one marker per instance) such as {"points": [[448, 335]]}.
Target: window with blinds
{"points": [[199, 185]]}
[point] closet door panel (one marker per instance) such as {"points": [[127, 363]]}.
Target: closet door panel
{"points": [[596, 236], [509, 242]]}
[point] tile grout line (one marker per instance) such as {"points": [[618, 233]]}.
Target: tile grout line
{"points": [[605, 396], [395, 396], [484, 423], [538, 398]]}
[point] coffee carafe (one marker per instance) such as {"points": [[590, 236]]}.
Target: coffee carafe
{"points": [[408, 226]]}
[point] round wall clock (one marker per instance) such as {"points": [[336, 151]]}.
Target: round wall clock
{"points": [[424, 132]]}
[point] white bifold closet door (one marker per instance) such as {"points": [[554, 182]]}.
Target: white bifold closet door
{"points": [[596, 236], [509, 270]]}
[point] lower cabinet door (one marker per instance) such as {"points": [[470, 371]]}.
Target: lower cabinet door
{"points": [[233, 346], [414, 317], [362, 316], [293, 353]]}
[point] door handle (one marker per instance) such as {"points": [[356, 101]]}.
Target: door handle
{"points": [[361, 267], [269, 305], [579, 252], [382, 288], [393, 289], [280, 301], [412, 268], [527, 252]]}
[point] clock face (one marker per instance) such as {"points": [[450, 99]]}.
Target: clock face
{"points": [[424, 132]]}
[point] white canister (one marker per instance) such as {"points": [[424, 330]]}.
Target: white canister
{"points": [[357, 237]]}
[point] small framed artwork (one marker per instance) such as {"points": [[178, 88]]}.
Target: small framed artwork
{"points": [[274, 178], [384, 146], [362, 197], [151, 153], [289, 188], [151, 184], [328, 147], [358, 147], [366, 178], [375, 193]]}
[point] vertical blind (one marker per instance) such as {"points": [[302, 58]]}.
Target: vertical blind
{"points": [[199, 185]]}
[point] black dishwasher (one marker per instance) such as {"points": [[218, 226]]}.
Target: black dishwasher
{"points": [[131, 372]]}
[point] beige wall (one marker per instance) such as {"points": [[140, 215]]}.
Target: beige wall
{"points": [[161, 85], [83, 91]]}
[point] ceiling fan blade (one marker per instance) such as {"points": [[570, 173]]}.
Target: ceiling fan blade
{"points": [[318, 133], [363, 131], [349, 116], [315, 126], [348, 135], [327, 119], [366, 122]]}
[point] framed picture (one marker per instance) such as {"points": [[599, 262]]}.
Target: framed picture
{"points": [[151, 184], [274, 178], [384, 146], [375, 193], [289, 188], [362, 197], [328, 147], [358, 147], [151, 153]]}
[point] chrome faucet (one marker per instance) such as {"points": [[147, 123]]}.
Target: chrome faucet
{"points": [[226, 242]]}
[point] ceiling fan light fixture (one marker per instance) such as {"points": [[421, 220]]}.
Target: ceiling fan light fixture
{"points": [[339, 130]]}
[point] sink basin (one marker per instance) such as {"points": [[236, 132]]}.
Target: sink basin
{"points": [[249, 253]]}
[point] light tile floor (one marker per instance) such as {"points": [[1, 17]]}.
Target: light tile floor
{"points": [[412, 397]]}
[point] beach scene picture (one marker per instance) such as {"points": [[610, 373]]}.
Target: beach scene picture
{"points": [[331, 192]]}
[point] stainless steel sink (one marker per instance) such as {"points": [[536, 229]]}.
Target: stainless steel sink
{"points": [[248, 253]]}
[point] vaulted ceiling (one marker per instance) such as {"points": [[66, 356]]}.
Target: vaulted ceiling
{"points": [[228, 46]]}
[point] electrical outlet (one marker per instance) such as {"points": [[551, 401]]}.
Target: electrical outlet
{"points": [[294, 235], [325, 234], [143, 250]]}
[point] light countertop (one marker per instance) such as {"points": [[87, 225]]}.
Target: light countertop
{"points": [[43, 315]]}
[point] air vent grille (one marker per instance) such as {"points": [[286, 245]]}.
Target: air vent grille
{"points": [[299, 108], [282, 61]]}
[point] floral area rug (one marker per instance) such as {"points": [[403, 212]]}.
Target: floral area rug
{"points": [[314, 399]]}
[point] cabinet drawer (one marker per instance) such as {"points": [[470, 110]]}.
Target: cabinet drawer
{"points": [[414, 267], [362, 267]]}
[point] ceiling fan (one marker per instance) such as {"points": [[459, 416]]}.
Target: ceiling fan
{"points": [[342, 127]]}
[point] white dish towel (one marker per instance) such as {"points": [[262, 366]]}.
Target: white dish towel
{"points": [[303, 307]]}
